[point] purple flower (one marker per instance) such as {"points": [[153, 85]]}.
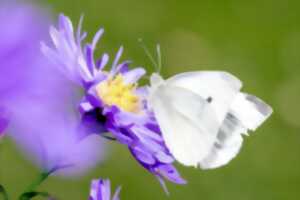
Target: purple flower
{"points": [[37, 98], [3, 121], [100, 190], [113, 102]]}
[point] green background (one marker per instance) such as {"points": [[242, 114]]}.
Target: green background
{"points": [[258, 41]]}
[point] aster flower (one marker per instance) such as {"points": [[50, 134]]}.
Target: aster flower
{"points": [[100, 190], [37, 97], [113, 102], [3, 121]]}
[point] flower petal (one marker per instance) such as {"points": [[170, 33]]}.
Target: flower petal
{"points": [[134, 75]]}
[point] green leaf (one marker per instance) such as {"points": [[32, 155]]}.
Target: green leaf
{"points": [[3, 193], [30, 195]]}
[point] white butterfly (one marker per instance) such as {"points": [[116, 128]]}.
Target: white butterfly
{"points": [[202, 116]]}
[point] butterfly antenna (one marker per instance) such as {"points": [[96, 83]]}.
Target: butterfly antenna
{"points": [[149, 54], [159, 60]]}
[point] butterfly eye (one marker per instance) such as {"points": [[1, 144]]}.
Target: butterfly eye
{"points": [[209, 99]]}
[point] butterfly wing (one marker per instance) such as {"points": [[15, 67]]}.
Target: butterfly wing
{"points": [[203, 116], [187, 121], [250, 110], [220, 87], [247, 112]]}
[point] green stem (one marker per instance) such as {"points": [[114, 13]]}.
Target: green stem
{"points": [[30, 191], [38, 181]]}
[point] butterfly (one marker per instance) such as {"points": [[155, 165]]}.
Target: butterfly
{"points": [[203, 116]]}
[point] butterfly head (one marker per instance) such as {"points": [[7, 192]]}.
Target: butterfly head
{"points": [[156, 80]]}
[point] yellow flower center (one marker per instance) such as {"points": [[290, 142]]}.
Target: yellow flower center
{"points": [[115, 92]]}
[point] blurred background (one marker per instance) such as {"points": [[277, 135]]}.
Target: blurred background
{"points": [[258, 41]]}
